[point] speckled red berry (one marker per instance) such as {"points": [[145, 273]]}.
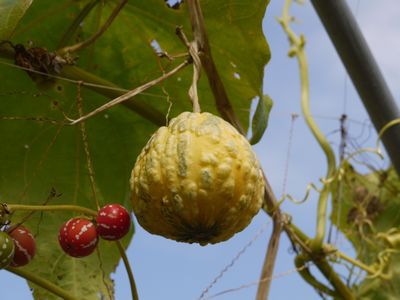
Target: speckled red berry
{"points": [[25, 246], [78, 237], [113, 222]]}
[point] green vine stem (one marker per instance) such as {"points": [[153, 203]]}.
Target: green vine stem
{"points": [[374, 271], [297, 49], [329, 273], [300, 238], [135, 295], [51, 287], [355, 262], [76, 208], [301, 264]]}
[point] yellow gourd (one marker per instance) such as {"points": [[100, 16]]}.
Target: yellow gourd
{"points": [[197, 181]]}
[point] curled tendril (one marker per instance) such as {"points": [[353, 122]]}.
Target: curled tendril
{"points": [[384, 129], [310, 186], [382, 263], [391, 237]]}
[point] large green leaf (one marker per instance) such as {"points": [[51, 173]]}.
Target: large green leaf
{"points": [[38, 155]]}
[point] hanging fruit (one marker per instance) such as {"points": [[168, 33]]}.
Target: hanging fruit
{"points": [[25, 246], [197, 181], [78, 237], [7, 249], [113, 222]]}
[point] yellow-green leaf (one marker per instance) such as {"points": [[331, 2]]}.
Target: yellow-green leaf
{"points": [[260, 120]]}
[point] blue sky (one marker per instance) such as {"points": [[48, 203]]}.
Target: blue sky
{"points": [[165, 269]]}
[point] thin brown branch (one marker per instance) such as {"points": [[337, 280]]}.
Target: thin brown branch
{"points": [[270, 258], [227, 112], [271, 206], [95, 36], [85, 142], [200, 37], [30, 118], [112, 91], [130, 94], [182, 36]]}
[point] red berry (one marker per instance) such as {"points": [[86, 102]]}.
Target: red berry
{"points": [[78, 237], [25, 246], [113, 222]]}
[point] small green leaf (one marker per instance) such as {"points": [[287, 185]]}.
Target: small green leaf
{"points": [[260, 120], [11, 13]]}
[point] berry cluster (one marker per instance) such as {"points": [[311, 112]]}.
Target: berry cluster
{"points": [[78, 237]]}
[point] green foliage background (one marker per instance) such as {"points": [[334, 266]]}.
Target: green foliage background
{"points": [[38, 156], [367, 213]]}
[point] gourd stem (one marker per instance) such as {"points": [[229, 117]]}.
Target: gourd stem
{"points": [[76, 208], [214, 79], [43, 283], [193, 94]]}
